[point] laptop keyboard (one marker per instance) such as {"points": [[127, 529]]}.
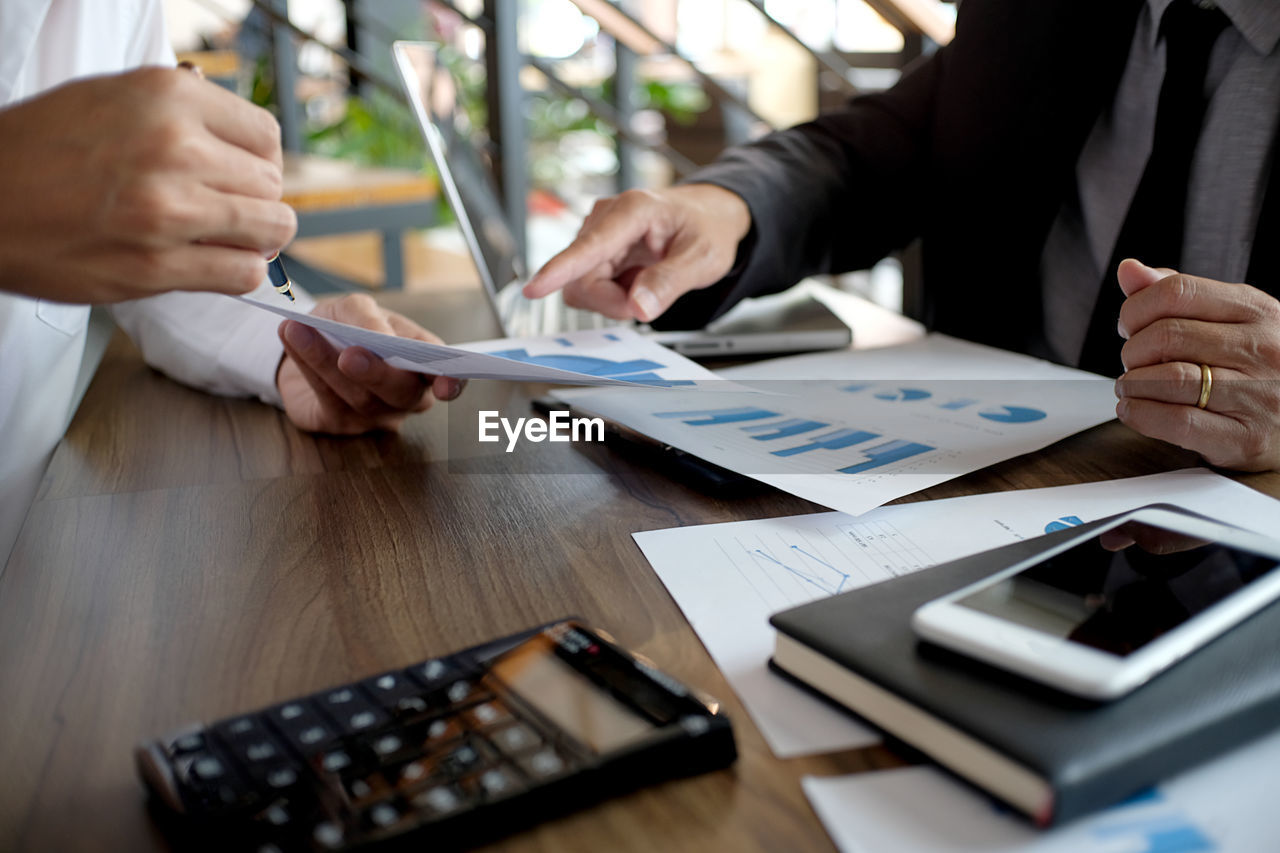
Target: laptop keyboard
{"points": [[523, 317]]}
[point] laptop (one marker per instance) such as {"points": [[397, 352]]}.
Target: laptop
{"points": [[791, 321]]}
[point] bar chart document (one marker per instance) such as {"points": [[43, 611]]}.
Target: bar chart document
{"points": [[852, 430], [730, 578], [615, 356]]}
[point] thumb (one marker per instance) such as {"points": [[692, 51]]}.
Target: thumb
{"points": [[1134, 275], [687, 266]]}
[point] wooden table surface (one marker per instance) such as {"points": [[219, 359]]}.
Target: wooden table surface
{"points": [[189, 557]]}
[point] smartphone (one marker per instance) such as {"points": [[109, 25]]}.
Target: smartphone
{"points": [[1100, 614]]}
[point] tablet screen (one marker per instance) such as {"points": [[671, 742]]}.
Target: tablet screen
{"points": [[1120, 600]]}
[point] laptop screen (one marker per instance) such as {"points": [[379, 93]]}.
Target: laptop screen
{"points": [[464, 176]]}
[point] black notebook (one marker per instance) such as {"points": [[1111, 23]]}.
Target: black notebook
{"points": [[1051, 756]]}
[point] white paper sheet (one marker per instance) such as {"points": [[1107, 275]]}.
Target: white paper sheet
{"points": [[1226, 805], [729, 578], [852, 430], [615, 356]]}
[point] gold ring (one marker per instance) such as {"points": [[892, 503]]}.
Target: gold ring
{"points": [[1206, 386]]}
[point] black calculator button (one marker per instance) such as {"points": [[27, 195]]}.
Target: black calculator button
{"points": [[255, 751], [335, 761], [501, 781], [309, 734], [290, 712], [413, 774], [365, 789], [440, 800], [189, 742], [364, 719], [281, 778], [433, 673], [207, 768], [515, 739], [409, 707], [543, 764], [328, 835], [462, 693], [241, 728], [391, 689], [441, 731], [278, 814], [337, 699], [488, 714], [467, 757], [382, 816]]}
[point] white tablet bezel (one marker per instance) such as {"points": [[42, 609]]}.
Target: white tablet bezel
{"points": [[1078, 669]]}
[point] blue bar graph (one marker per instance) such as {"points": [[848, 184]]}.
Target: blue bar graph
{"points": [[889, 452], [837, 440], [784, 429], [710, 417]]}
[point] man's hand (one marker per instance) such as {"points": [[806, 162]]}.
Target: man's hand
{"points": [[639, 251], [119, 187], [1174, 323], [352, 391]]}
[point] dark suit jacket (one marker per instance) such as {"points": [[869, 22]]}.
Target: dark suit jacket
{"points": [[973, 150]]}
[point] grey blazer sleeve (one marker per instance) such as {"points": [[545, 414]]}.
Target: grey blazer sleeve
{"points": [[832, 195]]}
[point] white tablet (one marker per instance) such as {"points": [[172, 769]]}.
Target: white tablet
{"points": [[1095, 618]]}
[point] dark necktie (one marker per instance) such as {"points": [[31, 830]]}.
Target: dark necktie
{"points": [[1153, 228]]}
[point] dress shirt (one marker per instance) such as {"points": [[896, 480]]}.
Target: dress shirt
{"points": [[1228, 174], [206, 340]]}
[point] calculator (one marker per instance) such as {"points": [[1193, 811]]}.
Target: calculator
{"points": [[447, 754]]}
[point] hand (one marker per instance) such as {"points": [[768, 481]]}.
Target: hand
{"points": [[122, 186], [352, 391], [1173, 323], [639, 251]]}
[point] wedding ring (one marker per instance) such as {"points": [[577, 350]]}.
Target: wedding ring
{"points": [[1206, 386]]}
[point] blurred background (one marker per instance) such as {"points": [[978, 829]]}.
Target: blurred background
{"points": [[568, 100]]}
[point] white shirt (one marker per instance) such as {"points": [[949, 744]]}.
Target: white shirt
{"points": [[205, 340]]}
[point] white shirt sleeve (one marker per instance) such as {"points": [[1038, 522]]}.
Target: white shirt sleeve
{"points": [[205, 340], [210, 341]]}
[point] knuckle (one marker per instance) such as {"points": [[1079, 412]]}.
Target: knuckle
{"points": [[170, 143], [631, 201], [1165, 334], [159, 82], [1181, 426], [248, 274], [146, 208]]}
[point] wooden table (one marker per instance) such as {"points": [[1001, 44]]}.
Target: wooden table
{"points": [[189, 557]]}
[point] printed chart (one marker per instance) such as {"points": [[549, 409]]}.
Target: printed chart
{"points": [[730, 578]]}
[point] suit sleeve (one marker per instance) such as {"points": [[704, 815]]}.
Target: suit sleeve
{"points": [[832, 195]]}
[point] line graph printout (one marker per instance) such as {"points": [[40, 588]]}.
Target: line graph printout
{"points": [[1225, 805], [855, 429], [728, 579]]}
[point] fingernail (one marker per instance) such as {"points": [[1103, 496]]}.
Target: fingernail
{"points": [[1122, 408], [455, 388], [356, 365], [300, 336], [1121, 330], [646, 302]]}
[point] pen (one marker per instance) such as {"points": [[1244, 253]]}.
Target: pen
{"points": [[279, 278], [275, 269]]}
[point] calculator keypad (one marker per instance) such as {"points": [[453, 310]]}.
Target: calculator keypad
{"points": [[367, 760]]}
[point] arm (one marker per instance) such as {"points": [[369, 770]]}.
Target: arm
{"points": [[835, 194]]}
